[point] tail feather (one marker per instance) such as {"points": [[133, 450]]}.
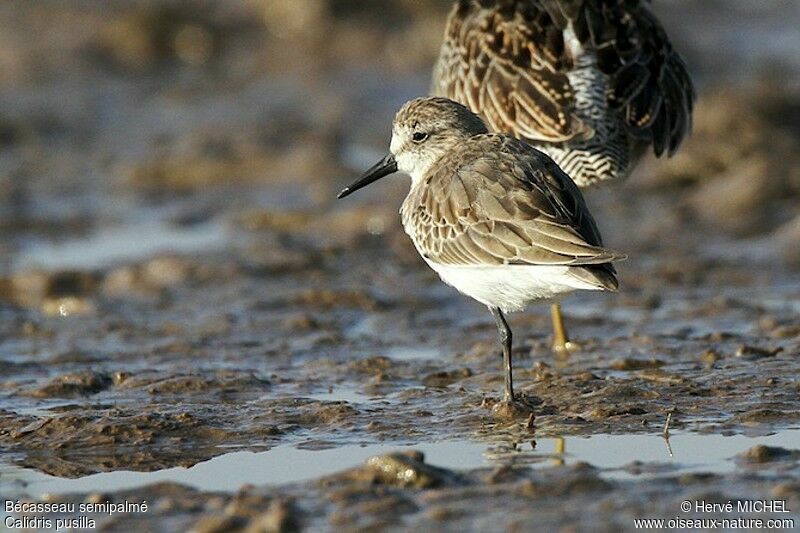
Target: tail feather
{"points": [[602, 276]]}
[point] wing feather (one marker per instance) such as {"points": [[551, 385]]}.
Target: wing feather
{"points": [[505, 63], [506, 60], [479, 191]]}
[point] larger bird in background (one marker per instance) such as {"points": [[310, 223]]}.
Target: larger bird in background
{"points": [[593, 83]]}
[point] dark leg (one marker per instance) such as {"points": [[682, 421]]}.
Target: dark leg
{"points": [[505, 340]]}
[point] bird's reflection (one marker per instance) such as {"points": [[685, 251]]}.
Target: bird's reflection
{"points": [[511, 451], [560, 451]]}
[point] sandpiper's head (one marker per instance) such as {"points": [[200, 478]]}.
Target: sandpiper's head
{"points": [[423, 131]]}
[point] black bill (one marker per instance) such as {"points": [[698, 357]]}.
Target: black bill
{"points": [[382, 168]]}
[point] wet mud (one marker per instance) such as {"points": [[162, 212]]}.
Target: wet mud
{"points": [[179, 283]]}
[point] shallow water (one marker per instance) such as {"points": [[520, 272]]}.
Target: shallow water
{"points": [[117, 245], [617, 457]]}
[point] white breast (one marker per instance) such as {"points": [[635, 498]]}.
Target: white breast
{"points": [[510, 287]]}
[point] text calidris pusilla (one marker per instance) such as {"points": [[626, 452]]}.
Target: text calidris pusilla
{"points": [[494, 217], [592, 83]]}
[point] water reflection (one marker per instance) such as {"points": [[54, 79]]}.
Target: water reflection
{"points": [[616, 456]]}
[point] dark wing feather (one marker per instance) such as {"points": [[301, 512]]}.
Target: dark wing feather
{"points": [[650, 83], [506, 60]]}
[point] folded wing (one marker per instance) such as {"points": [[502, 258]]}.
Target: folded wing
{"points": [[507, 61], [503, 203]]}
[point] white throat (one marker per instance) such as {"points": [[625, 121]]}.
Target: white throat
{"points": [[411, 160], [415, 166]]}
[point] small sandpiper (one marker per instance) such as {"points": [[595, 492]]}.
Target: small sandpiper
{"points": [[496, 218], [591, 83]]}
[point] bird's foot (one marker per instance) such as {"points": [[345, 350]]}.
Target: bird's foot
{"points": [[565, 348], [512, 407]]}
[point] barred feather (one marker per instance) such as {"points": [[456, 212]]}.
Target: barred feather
{"points": [[590, 82]]}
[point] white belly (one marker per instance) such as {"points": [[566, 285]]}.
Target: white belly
{"points": [[510, 287]]}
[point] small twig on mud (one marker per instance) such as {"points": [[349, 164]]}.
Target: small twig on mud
{"points": [[665, 433], [669, 446]]}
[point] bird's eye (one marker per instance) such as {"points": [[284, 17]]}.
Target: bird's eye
{"points": [[419, 136]]}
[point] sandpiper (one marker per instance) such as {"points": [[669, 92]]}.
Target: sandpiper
{"points": [[590, 82], [496, 218]]}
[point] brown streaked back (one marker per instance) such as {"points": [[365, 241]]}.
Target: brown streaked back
{"points": [[529, 67]]}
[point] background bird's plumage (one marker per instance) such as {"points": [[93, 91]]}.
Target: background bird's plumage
{"points": [[590, 82]]}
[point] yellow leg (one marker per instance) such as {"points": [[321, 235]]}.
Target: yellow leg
{"points": [[561, 343]]}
